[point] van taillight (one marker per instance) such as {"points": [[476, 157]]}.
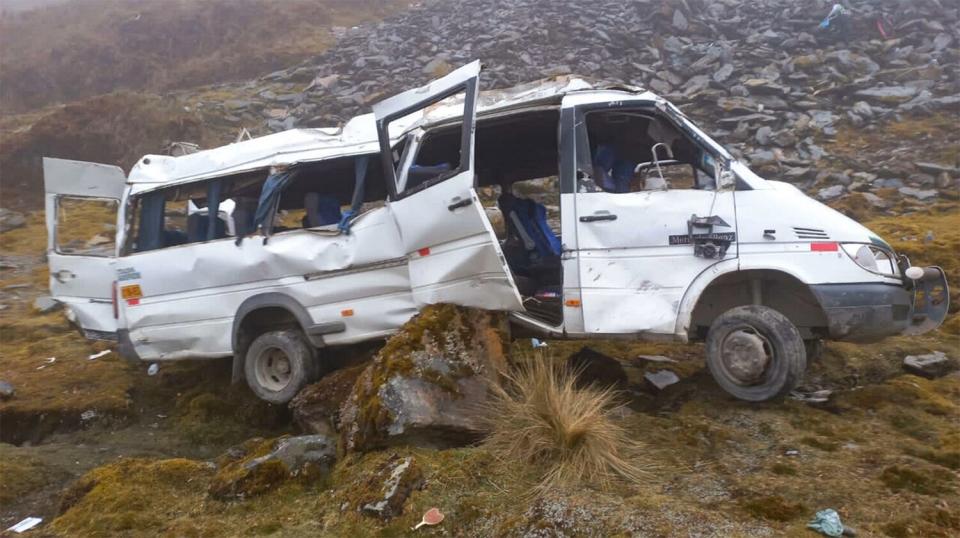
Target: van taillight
{"points": [[113, 299]]}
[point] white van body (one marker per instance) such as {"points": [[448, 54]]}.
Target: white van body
{"points": [[661, 263]]}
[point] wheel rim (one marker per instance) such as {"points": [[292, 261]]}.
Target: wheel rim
{"points": [[273, 369], [746, 356]]}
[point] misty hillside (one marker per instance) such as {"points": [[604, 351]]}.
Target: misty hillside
{"points": [[61, 52]]}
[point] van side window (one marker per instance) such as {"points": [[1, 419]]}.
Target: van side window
{"points": [[637, 150], [321, 194], [86, 226], [181, 214]]}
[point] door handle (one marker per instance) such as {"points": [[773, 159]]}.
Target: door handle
{"points": [[595, 218], [462, 203], [62, 275]]}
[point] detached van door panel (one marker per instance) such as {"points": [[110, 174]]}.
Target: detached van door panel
{"points": [[454, 256], [81, 196]]}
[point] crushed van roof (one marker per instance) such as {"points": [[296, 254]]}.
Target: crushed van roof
{"points": [[358, 136]]}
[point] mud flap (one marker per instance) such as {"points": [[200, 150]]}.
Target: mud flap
{"points": [[931, 301]]}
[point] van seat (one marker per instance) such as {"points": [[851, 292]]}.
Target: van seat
{"points": [[198, 224], [322, 210], [527, 221]]}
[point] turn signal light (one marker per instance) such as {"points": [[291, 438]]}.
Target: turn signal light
{"points": [[824, 247]]}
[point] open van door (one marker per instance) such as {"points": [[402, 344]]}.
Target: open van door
{"points": [[81, 216], [454, 256]]}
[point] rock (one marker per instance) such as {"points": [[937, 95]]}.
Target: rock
{"points": [[919, 194], [875, 200], [679, 20], [936, 169], [45, 304], [661, 379], [437, 67], [6, 390], [722, 74], [425, 385], [316, 408], [393, 482], [888, 94], [258, 466], [656, 358], [11, 220], [831, 192], [763, 135], [595, 368], [930, 365], [815, 397]]}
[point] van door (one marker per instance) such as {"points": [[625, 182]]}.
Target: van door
{"points": [[639, 248], [82, 201], [453, 253]]}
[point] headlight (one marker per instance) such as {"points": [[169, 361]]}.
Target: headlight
{"points": [[872, 258]]}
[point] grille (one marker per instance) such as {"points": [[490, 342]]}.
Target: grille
{"points": [[810, 233]]}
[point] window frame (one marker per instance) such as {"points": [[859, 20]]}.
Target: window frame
{"points": [[574, 138], [56, 228], [393, 173]]}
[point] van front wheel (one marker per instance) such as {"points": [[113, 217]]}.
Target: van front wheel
{"points": [[755, 353], [278, 364]]}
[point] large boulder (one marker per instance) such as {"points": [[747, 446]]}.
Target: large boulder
{"points": [[427, 386], [258, 465], [316, 408]]}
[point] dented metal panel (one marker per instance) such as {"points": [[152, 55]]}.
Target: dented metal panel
{"points": [[631, 277], [190, 293]]}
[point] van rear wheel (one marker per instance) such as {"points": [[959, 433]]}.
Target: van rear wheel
{"points": [[755, 353], [278, 364]]}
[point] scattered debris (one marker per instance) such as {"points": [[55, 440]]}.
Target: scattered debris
{"points": [[6, 390], [815, 397], [827, 522], [98, 355], [26, 524], [661, 379], [791, 452], [49, 361], [433, 517], [656, 358], [153, 369], [88, 415], [930, 365], [537, 343]]}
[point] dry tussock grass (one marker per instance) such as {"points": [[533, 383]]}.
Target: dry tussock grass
{"points": [[539, 416]]}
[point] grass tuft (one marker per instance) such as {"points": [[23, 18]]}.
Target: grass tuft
{"points": [[540, 417]]}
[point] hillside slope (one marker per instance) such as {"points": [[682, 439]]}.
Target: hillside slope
{"points": [[88, 47]]}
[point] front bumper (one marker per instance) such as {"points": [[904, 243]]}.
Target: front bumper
{"points": [[864, 312], [867, 312]]}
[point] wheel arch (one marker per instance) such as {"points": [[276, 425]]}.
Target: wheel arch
{"points": [[271, 310], [780, 289]]}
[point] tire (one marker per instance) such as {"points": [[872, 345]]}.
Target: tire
{"points": [[755, 353], [278, 364]]}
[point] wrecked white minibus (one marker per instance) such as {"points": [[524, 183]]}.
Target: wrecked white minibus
{"points": [[618, 217]]}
